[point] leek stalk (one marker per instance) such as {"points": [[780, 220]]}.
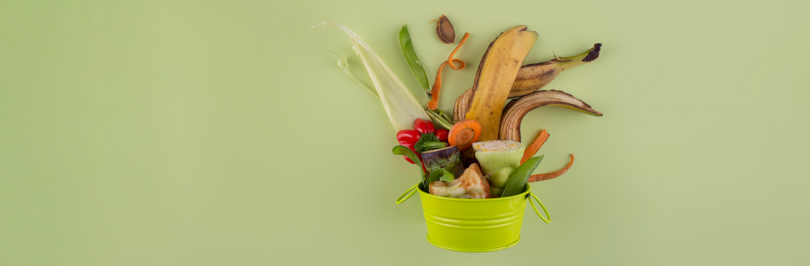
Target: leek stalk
{"points": [[400, 105]]}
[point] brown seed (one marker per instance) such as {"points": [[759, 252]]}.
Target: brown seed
{"points": [[445, 31]]}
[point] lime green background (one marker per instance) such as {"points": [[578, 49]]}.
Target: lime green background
{"points": [[206, 133]]}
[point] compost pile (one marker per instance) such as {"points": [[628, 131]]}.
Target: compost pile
{"points": [[475, 153]]}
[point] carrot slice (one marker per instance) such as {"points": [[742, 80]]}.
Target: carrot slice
{"points": [[464, 133], [437, 84], [548, 176], [532, 149]]}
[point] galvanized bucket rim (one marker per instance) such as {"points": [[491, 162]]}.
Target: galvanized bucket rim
{"points": [[528, 190], [407, 195]]}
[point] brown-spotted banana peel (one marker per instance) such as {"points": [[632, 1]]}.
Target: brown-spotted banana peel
{"points": [[514, 112], [532, 77], [462, 103], [493, 80]]}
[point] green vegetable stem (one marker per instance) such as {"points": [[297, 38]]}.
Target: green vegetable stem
{"points": [[428, 141], [440, 118]]}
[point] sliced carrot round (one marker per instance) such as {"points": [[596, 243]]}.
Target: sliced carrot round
{"points": [[464, 133]]}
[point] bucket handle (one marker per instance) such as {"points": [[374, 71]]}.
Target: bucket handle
{"points": [[407, 195], [541, 205]]}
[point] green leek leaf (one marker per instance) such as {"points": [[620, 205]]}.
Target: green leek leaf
{"points": [[400, 105]]}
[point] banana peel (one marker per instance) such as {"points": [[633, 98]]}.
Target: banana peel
{"points": [[461, 105], [493, 80], [517, 109], [532, 77]]}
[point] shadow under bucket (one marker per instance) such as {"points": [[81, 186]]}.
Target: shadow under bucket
{"points": [[474, 225]]}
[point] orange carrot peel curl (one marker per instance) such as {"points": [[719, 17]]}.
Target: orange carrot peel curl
{"points": [[532, 149], [437, 85], [548, 176]]}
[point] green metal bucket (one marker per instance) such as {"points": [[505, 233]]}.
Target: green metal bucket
{"points": [[474, 225]]}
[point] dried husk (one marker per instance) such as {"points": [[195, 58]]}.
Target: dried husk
{"points": [[445, 30]]}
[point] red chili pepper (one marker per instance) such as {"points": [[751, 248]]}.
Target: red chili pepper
{"points": [[408, 138], [442, 134], [423, 126]]}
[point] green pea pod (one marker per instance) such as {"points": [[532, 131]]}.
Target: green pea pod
{"points": [[402, 150], [518, 179], [413, 60]]}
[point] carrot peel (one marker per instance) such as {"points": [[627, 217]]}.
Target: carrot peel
{"points": [[532, 149], [463, 39], [437, 85], [548, 176]]}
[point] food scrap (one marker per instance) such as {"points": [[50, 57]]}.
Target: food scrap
{"points": [[476, 153], [470, 185], [437, 85], [445, 30]]}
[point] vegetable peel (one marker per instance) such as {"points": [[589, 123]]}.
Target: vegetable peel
{"points": [[548, 176], [400, 105], [532, 149], [437, 84]]}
